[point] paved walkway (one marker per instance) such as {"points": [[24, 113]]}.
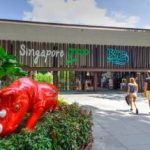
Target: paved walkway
{"points": [[115, 128]]}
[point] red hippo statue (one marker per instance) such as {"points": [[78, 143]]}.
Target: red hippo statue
{"points": [[21, 96]]}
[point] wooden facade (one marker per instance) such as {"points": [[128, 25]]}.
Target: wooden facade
{"points": [[96, 60], [77, 49]]}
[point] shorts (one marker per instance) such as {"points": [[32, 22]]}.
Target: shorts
{"points": [[148, 94], [133, 96]]}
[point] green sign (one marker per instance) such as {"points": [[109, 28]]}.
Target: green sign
{"points": [[117, 57], [76, 52]]}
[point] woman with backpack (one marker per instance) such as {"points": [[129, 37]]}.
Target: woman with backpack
{"points": [[132, 91]]}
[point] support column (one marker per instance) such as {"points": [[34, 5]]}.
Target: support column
{"points": [[140, 81], [55, 78], [95, 81]]}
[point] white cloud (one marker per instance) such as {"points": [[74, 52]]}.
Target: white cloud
{"points": [[77, 12], [147, 27]]}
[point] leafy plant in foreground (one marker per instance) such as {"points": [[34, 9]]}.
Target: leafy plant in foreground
{"points": [[67, 129]]}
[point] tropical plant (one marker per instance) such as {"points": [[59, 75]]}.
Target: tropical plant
{"points": [[9, 67]]}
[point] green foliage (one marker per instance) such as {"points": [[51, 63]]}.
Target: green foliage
{"points": [[9, 67], [61, 100], [27, 141], [72, 127], [66, 129], [47, 77]]}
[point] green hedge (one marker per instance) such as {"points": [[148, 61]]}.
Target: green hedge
{"points": [[44, 77], [66, 129]]}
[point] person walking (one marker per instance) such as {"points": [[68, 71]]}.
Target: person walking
{"points": [[146, 88], [132, 91]]}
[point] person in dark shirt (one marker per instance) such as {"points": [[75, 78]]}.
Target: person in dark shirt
{"points": [[146, 88]]}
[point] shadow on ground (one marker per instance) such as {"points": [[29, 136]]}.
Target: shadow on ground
{"points": [[119, 130]]}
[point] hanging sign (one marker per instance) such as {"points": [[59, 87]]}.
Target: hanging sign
{"points": [[117, 57]]}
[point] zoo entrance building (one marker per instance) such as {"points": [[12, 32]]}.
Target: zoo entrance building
{"points": [[81, 57]]}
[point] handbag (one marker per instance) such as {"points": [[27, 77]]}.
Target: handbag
{"points": [[127, 99]]}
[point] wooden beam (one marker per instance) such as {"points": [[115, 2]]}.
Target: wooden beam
{"points": [[84, 69]]}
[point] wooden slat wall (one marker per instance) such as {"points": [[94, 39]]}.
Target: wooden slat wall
{"points": [[139, 57]]}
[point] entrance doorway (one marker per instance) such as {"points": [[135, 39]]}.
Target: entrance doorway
{"points": [[86, 81], [66, 80], [119, 80], [91, 81], [78, 81]]}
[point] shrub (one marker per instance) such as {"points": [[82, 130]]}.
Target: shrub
{"points": [[66, 129], [47, 77]]}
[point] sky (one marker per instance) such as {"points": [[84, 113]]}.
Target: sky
{"points": [[118, 13]]}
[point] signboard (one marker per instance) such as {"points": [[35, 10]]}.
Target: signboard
{"points": [[117, 57], [76, 52], [36, 54], [39, 53]]}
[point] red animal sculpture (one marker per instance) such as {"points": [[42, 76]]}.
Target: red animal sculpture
{"points": [[21, 96]]}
